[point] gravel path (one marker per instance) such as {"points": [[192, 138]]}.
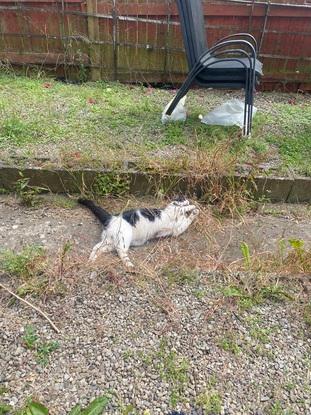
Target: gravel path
{"points": [[112, 340], [153, 342]]}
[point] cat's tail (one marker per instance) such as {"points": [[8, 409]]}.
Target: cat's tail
{"points": [[98, 211]]}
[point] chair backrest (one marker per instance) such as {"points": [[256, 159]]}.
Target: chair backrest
{"points": [[193, 29]]}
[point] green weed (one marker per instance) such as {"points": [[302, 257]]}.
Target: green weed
{"points": [[111, 184], [5, 409], [229, 344], [174, 369], [274, 292], [260, 334], [28, 194], [246, 254], [29, 262], [42, 349], [30, 337], [210, 402], [307, 314], [96, 407], [277, 409], [60, 202], [182, 276]]}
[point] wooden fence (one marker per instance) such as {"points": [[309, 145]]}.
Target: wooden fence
{"points": [[141, 40]]}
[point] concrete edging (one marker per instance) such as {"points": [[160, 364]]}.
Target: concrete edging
{"points": [[276, 189]]}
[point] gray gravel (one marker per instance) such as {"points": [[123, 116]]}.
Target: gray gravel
{"points": [[110, 339]]}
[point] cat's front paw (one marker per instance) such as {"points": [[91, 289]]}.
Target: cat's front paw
{"points": [[195, 212], [130, 267]]}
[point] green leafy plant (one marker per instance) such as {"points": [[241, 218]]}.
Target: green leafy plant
{"points": [[96, 407], [30, 337], [246, 254], [42, 349], [28, 194], [210, 402], [33, 408], [111, 184], [229, 344], [297, 245], [275, 293], [244, 300]]}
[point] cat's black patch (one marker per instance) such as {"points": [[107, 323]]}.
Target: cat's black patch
{"points": [[131, 216], [151, 214]]}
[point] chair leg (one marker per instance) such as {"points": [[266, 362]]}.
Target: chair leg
{"points": [[183, 90], [252, 90], [248, 108]]}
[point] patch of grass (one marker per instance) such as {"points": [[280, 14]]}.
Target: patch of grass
{"points": [[275, 293], [174, 134], [34, 272], [296, 260], [5, 409], [229, 344], [15, 130], [181, 276], [59, 201], [124, 120], [42, 349], [29, 262], [277, 409], [171, 367], [199, 293], [244, 300], [260, 334], [256, 294], [210, 402], [174, 369], [294, 136]]}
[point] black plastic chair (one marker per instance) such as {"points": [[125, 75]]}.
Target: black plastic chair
{"points": [[230, 64]]}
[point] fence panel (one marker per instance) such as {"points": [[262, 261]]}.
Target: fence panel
{"points": [[140, 40]]}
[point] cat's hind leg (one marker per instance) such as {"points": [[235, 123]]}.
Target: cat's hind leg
{"points": [[101, 247], [122, 248]]}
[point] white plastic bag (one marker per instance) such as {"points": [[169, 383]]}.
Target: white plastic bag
{"points": [[179, 113], [229, 113]]}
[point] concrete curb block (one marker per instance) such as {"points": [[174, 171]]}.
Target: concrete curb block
{"points": [[276, 189]]}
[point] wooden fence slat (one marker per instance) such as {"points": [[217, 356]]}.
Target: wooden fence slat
{"points": [[93, 35]]}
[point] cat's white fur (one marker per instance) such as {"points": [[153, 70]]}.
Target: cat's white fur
{"points": [[120, 235]]}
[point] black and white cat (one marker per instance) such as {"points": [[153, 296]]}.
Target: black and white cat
{"points": [[137, 226]]}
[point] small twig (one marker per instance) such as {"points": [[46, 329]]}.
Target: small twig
{"points": [[32, 306]]}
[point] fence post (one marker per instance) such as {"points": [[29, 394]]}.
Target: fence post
{"points": [[93, 34]]}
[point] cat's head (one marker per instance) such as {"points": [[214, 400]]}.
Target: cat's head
{"points": [[180, 201]]}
